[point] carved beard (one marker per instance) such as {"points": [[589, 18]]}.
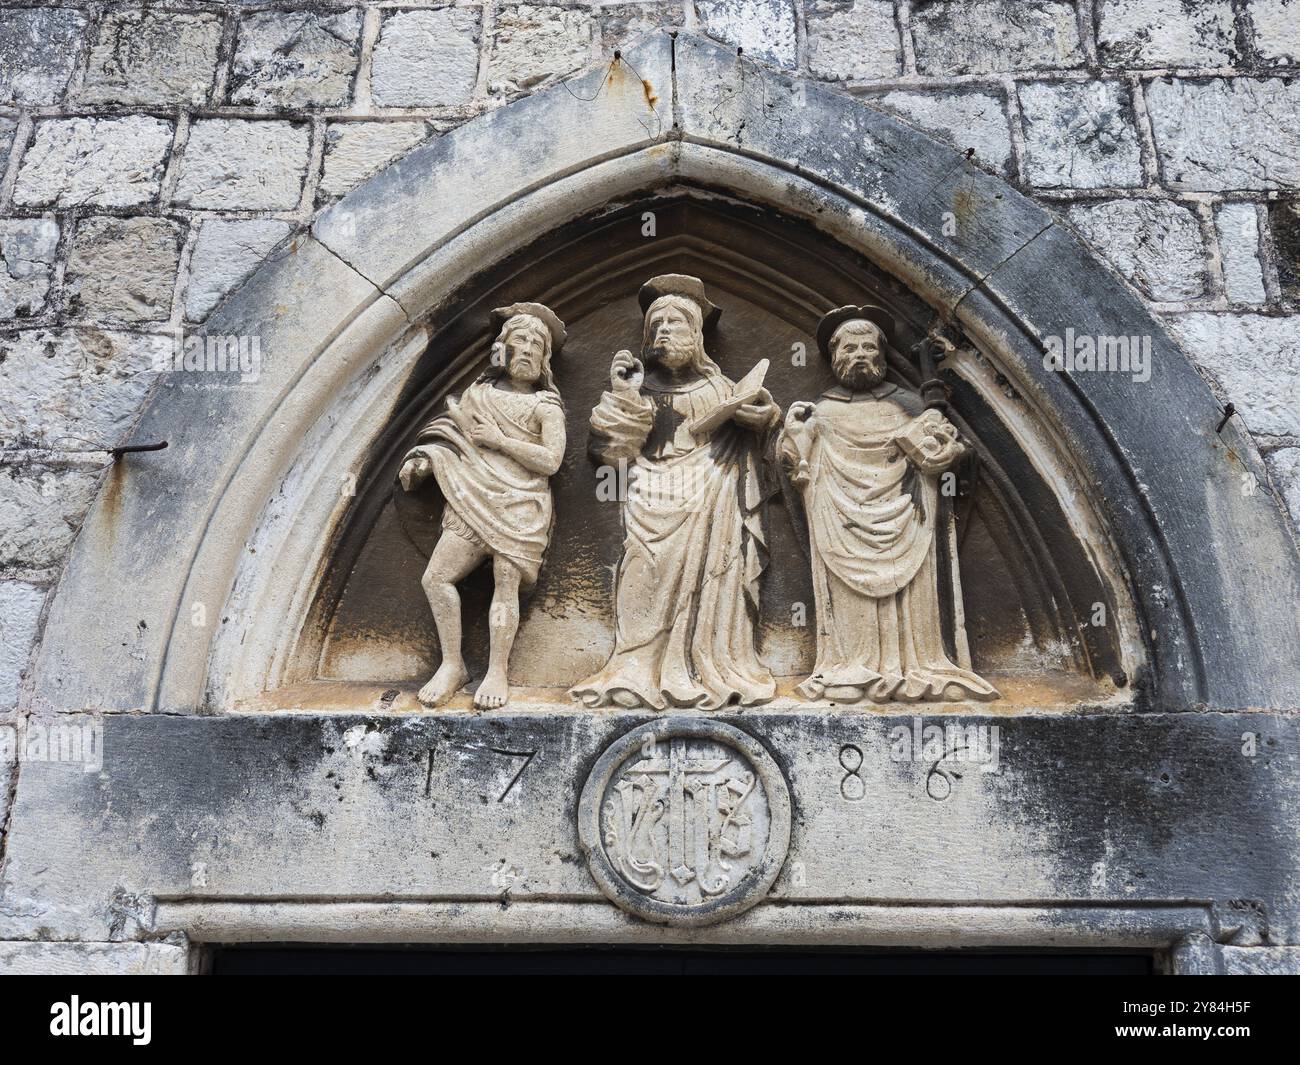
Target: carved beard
{"points": [[673, 354], [524, 369], [858, 378]]}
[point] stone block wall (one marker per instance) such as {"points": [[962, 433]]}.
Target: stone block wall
{"points": [[150, 157]]}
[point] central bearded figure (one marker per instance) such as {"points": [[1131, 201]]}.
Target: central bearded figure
{"points": [[686, 591]]}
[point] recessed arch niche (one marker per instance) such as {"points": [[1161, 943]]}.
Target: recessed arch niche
{"points": [[1031, 587], [243, 515]]}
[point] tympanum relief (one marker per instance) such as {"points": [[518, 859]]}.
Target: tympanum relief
{"points": [[700, 457]]}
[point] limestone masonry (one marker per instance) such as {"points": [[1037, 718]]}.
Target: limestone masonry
{"points": [[153, 158]]}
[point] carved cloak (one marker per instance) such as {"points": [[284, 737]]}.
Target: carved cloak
{"points": [[686, 591], [503, 504], [872, 529]]}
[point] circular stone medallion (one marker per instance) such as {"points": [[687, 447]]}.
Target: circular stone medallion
{"points": [[685, 821]]}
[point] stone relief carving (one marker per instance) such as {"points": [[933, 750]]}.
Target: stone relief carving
{"points": [[865, 459], [686, 589], [685, 821], [863, 465], [492, 453]]}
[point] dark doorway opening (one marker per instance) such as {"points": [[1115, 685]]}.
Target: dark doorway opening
{"points": [[628, 961]]}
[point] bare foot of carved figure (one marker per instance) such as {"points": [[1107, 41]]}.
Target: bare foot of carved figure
{"points": [[443, 684], [493, 692]]}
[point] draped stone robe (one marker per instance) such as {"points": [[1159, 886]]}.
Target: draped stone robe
{"points": [[686, 591], [491, 499], [871, 496]]}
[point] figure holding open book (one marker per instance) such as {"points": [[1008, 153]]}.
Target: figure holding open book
{"points": [[686, 590]]}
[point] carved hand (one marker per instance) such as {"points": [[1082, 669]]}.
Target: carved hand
{"points": [[799, 417], [414, 470], [930, 442], [758, 415], [486, 434], [626, 373]]}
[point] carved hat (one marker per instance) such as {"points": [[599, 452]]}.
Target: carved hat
{"points": [[679, 285], [548, 317], [836, 318]]}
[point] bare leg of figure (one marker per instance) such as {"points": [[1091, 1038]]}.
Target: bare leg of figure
{"points": [[503, 624], [454, 558]]}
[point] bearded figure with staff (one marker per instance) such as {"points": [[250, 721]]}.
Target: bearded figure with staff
{"points": [[865, 460]]}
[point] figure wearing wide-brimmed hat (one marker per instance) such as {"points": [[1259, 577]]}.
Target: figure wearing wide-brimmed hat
{"points": [[686, 590], [866, 459], [492, 453]]}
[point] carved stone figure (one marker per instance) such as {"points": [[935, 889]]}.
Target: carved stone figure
{"points": [[866, 459], [686, 591], [492, 454]]}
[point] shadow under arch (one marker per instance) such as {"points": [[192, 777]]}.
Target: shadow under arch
{"points": [[341, 315]]}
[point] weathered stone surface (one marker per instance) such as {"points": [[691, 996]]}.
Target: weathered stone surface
{"points": [[1166, 33], [7, 127], [296, 59], [983, 36], [1080, 135], [1227, 133], [1255, 358], [28, 249], [355, 150], [850, 145], [226, 253], [6, 765], [123, 268], [1284, 223], [1243, 276], [426, 58], [231, 163], [853, 40], [1261, 961], [1057, 285], [306, 331], [74, 389], [387, 221], [38, 49], [962, 119], [623, 24], [40, 512], [20, 610], [309, 840], [351, 805], [531, 44], [1284, 466], [104, 162], [152, 57], [1155, 244], [93, 959], [1277, 29], [765, 29]]}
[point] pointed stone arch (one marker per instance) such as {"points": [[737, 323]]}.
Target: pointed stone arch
{"points": [[234, 509]]}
